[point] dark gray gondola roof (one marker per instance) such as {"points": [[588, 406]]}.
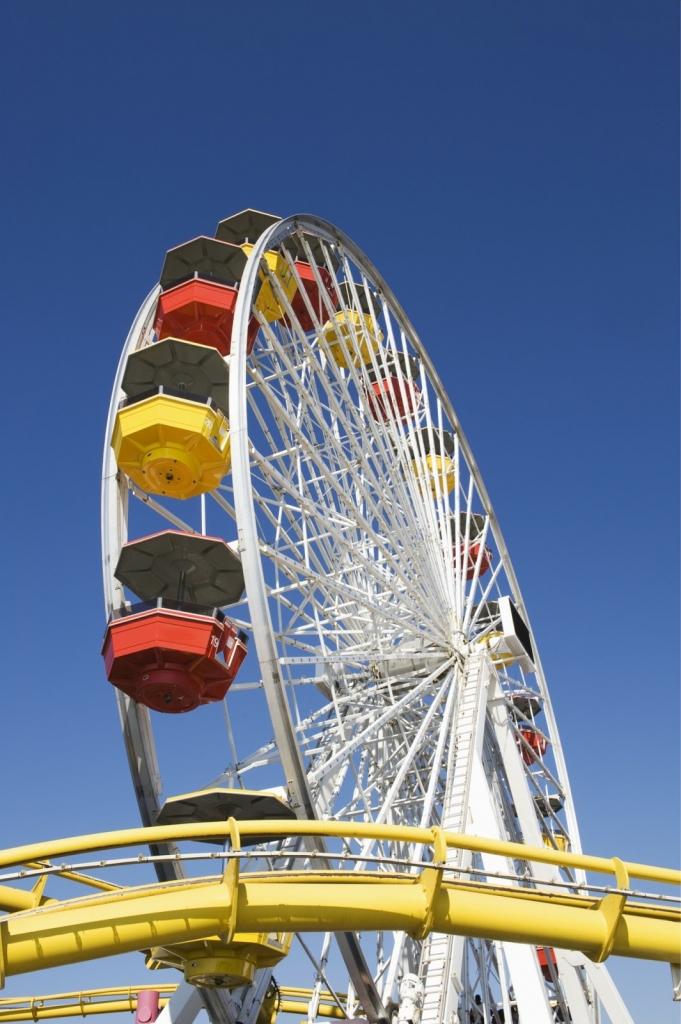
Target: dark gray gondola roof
{"points": [[206, 258], [182, 365], [165, 564], [217, 804]]}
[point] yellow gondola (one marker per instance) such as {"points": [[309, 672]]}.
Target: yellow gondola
{"points": [[267, 302], [431, 450], [172, 446], [215, 964], [352, 332], [501, 655], [437, 471]]}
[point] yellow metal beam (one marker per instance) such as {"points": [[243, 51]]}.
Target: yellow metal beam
{"points": [[173, 913], [352, 830], [297, 1006], [85, 1009], [77, 876], [167, 914], [83, 1003], [130, 1005], [17, 899]]}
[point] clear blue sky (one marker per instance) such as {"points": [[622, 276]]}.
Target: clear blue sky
{"points": [[512, 170]]}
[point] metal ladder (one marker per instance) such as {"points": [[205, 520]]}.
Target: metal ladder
{"points": [[443, 954]]}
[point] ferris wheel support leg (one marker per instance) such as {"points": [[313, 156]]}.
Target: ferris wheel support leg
{"points": [[580, 1010], [219, 1006], [183, 1006], [253, 997], [604, 986], [523, 965], [575, 993], [187, 1001], [444, 956], [515, 773], [676, 982]]}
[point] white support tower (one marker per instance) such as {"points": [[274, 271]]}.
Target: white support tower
{"points": [[442, 958]]}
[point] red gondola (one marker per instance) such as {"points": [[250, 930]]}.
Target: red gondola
{"points": [[309, 282], [471, 526], [393, 399], [392, 393], [544, 963], [173, 660], [200, 311], [537, 742], [485, 561], [176, 650]]}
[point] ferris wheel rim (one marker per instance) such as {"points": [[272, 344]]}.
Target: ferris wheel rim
{"points": [[269, 238], [241, 466], [141, 323], [238, 414], [136, 719]]}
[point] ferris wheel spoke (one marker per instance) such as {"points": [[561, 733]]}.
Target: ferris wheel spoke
{"points": [[376, 779], [150, 502], [435, 784], [220, 499], [359, 450], [344, 549], [409, 759], [365, 762], [478, 563], [458, 596], [340, 494], [461, 545], [282, 481], [333, 587], [475, 614], [547, 775], [392, 712]]}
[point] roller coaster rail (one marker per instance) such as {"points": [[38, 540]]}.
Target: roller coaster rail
{"points": [[415, 896], [119, 999]]}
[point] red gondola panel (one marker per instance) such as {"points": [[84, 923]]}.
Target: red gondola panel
{"points": [[173, 661], [309, 282], [202, 312]]}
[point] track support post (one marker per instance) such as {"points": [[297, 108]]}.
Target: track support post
{"points": [[430, 880], [230, 879], [611, 907]]}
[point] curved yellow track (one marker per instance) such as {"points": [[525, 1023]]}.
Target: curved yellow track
{"points": [[121, 999], [308, 900]]}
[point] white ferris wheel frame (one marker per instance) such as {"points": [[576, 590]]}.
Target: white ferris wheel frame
{"points": [[135, 719], [245, 514]]}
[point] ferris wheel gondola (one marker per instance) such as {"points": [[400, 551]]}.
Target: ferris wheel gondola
{"points": [[395, 652]]}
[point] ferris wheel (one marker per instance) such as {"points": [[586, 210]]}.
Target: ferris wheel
{"points": [[315, 501]]}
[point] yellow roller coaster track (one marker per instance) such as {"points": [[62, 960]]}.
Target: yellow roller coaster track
{"points": [[122, 999], [392, 896]]}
